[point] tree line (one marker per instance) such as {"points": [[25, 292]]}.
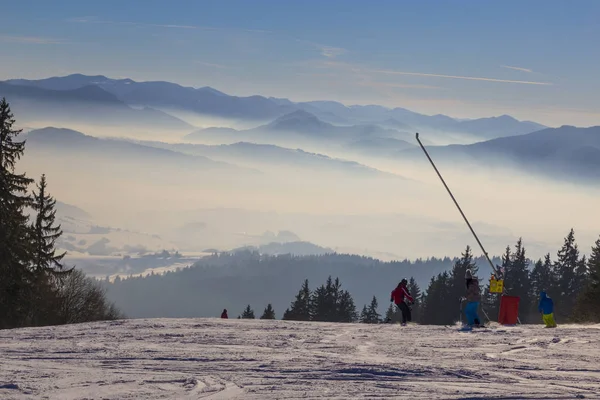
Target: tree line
{"points": [[234, 279], [328, 303], [572, 280], [248, 313], [36, 288]]}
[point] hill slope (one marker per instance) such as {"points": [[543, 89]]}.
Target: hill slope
{"points": [[266, 359]]}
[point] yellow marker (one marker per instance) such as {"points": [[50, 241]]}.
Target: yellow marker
{"points": [[496, 286]]}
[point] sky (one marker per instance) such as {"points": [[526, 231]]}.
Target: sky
{"points": [[535, 60]]}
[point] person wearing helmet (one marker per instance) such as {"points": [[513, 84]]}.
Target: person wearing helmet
{"points": [[224, 314], [473, 299], [398, 296]]}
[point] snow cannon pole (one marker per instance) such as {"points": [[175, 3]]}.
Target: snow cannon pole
{"points": [[456, 203]]}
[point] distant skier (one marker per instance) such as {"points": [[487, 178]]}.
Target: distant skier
{"points": [[398, 296], [546, 308], [473, 299], [224, 314]]}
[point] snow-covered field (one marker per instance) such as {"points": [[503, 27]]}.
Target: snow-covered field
{"points": [[258, 359]]}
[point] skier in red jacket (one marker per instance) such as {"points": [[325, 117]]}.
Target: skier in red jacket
{"points": [[224, 314], [398, 296]]}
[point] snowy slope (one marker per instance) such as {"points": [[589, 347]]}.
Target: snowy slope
{"points": [[254, 359]]}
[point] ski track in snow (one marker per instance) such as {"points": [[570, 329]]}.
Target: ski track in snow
{"points": [[257, 359]]}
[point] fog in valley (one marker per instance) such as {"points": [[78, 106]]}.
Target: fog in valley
{"points": [[388, 205], [136, 180]]}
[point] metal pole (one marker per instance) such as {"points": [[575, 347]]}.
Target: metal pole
{"points": [[464, 217], [457, 206]]}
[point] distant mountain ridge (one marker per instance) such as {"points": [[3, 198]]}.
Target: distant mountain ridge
{"points": [[273, 155], [209, 101], [298, 248], [204, 100], [83, 104], [567, 152], [240, 157], [302, 124], [68, 140]]}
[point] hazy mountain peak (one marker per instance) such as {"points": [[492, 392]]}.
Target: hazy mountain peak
{"points": [[69, 82], [299, 120], [298, 114], [208, 89], [503, 117], [87, 77], [68, 210], [57, 133]]}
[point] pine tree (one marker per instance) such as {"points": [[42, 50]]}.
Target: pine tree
{"points": [[319, 304], [440, 306], [333, 289], [325, 301], [541, 277], [46, 233], [581, 275], [517, 282], [459, 271], [565, 272], [269, 313], [47, 267], [364, 315], [457, 287], [248, 313], [346, 308], [587, 308], [428, 299], [542, 280], [301, 307], [506, 261], [415, 292], [370, 315], [15, 232], [594, 266], [391, 315]]}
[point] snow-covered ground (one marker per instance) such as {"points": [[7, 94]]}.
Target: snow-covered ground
{"points": [[262, 359]]}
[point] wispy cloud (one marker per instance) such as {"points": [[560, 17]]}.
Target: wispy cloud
{"points": [[212, 65], [30, 39], [470, 78], [258, 31], [399, 85], [331, 52], [517, 68], [82, 19], [93, 20]]}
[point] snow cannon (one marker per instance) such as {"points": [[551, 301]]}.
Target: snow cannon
{"points": [[509, 310]]}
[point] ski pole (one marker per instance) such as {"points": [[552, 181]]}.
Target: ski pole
{"points": [[484, 313]]}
